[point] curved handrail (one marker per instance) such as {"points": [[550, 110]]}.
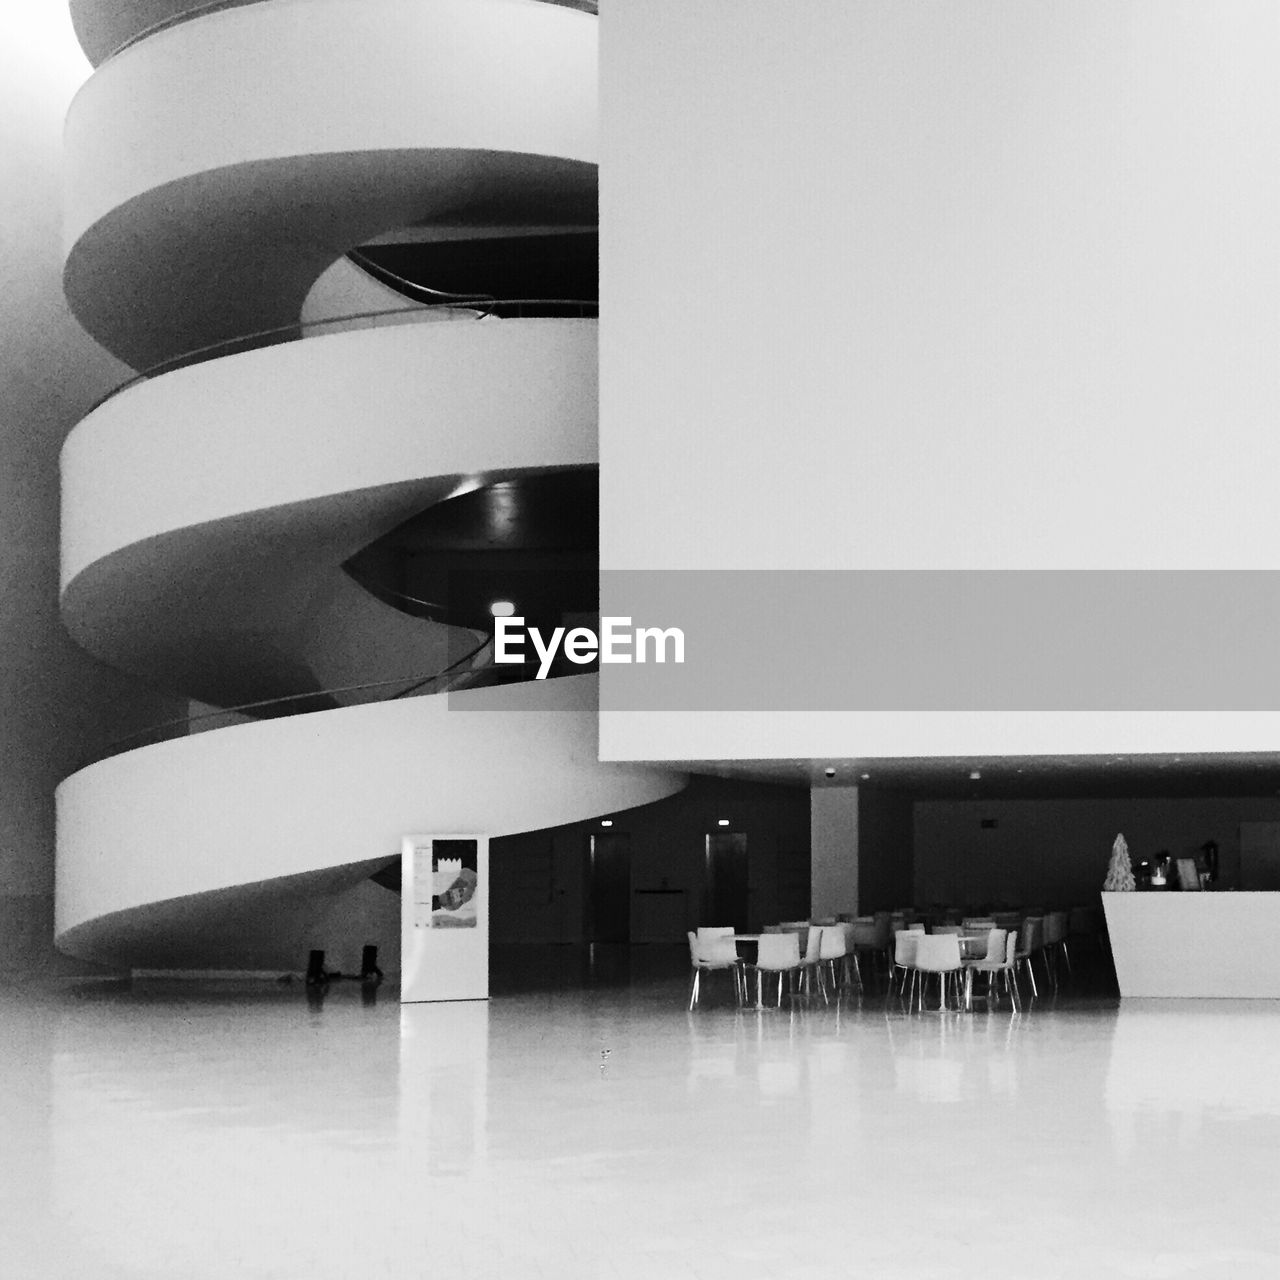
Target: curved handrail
{"points": [[213, 6], [302, 329], [414, 683], [402, 284], [381, 593]]}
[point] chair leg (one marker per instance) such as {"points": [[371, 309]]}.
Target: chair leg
{"points": [[693, 990]]}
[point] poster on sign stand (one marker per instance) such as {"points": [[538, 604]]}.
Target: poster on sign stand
{"points": [[444, 918]]}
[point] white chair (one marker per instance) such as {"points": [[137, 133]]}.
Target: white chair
{"points": [[904, 958], [800, 928], [852, 969], [810, 964], [939, 953], [1030, 939], [831, 953], [713, 955], [708, 931], [778, 953], [1001, 964]]}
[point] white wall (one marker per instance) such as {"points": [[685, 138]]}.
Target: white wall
{"points": [[896, 286]]}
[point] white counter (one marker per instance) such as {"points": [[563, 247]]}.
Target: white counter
{"points": [[1224, 945]]}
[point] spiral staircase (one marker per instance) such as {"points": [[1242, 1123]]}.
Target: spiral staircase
{"points": [[222, 160]]}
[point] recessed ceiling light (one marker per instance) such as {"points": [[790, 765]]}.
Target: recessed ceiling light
{"points": [[723, 822], [502, 608]]}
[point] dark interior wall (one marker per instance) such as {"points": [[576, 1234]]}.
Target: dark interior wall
{"points": [[886, 876], [1055, 852], [538, 878]]}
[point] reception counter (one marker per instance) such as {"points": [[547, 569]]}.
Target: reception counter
{"points": [[1197, 945]]}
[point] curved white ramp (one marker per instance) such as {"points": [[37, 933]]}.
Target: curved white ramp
{"points": [[217, 169], [322, 798], [207, 512]]}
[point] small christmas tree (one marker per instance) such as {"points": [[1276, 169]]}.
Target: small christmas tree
{"points": [[1120, 872]]}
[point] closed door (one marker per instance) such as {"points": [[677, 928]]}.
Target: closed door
{"points": [[725, 887], [608, 895]]}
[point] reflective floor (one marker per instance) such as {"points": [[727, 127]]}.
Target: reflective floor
{"points": [[583, 1124]]}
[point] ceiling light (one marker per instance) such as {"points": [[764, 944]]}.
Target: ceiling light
{"points": [[502, 608], [974, 775], [830, 772], [865, 777], [606, 822], [723, 822]]}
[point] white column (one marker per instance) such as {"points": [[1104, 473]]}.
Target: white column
{"points": [[833, 844]]}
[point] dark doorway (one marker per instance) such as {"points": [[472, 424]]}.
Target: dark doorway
{"points": [[608, 896], [725, 887]]}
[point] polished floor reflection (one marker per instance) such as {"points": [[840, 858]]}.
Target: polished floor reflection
{"points": [[583, 1124]]}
